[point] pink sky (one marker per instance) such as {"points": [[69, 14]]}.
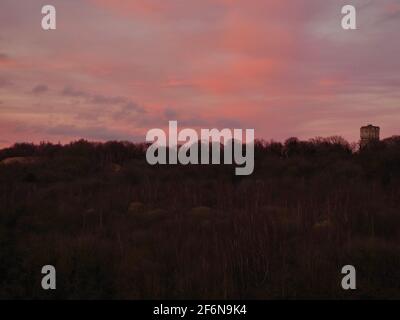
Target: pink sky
{"points": [[115, 69]]}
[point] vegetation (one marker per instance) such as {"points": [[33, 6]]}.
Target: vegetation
{"points": [[116, 227]]}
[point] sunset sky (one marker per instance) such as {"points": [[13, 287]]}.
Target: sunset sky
{"points": [[115, 69]]}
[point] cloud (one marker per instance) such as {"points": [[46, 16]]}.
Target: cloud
{"points": [[193, 120], [170, 113], [391, 12], [129, 108], [4, 82], [95, 106], [71, 92], [101, 99], [3, 57], [40, 88], [282, 67], [97, 132], [6, 62]]}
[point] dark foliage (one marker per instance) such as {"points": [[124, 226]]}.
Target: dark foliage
{"points": [[116, 227]]}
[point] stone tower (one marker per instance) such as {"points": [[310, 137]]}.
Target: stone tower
{"points": [[369, 134]]}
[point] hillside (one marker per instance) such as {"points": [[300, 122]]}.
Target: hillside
{"points": [[116, 227]]}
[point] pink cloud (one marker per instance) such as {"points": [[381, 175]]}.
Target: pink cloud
{"points": [[282, 67]]}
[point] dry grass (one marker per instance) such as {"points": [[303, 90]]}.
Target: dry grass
{"points": [[200, 232]]}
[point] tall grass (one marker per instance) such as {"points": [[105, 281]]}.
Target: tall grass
{"points": [[199, 231]]}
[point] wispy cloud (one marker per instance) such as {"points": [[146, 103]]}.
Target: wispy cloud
{"points": [[281, 67], [40, 88], [4, 82], [72, 92]]}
